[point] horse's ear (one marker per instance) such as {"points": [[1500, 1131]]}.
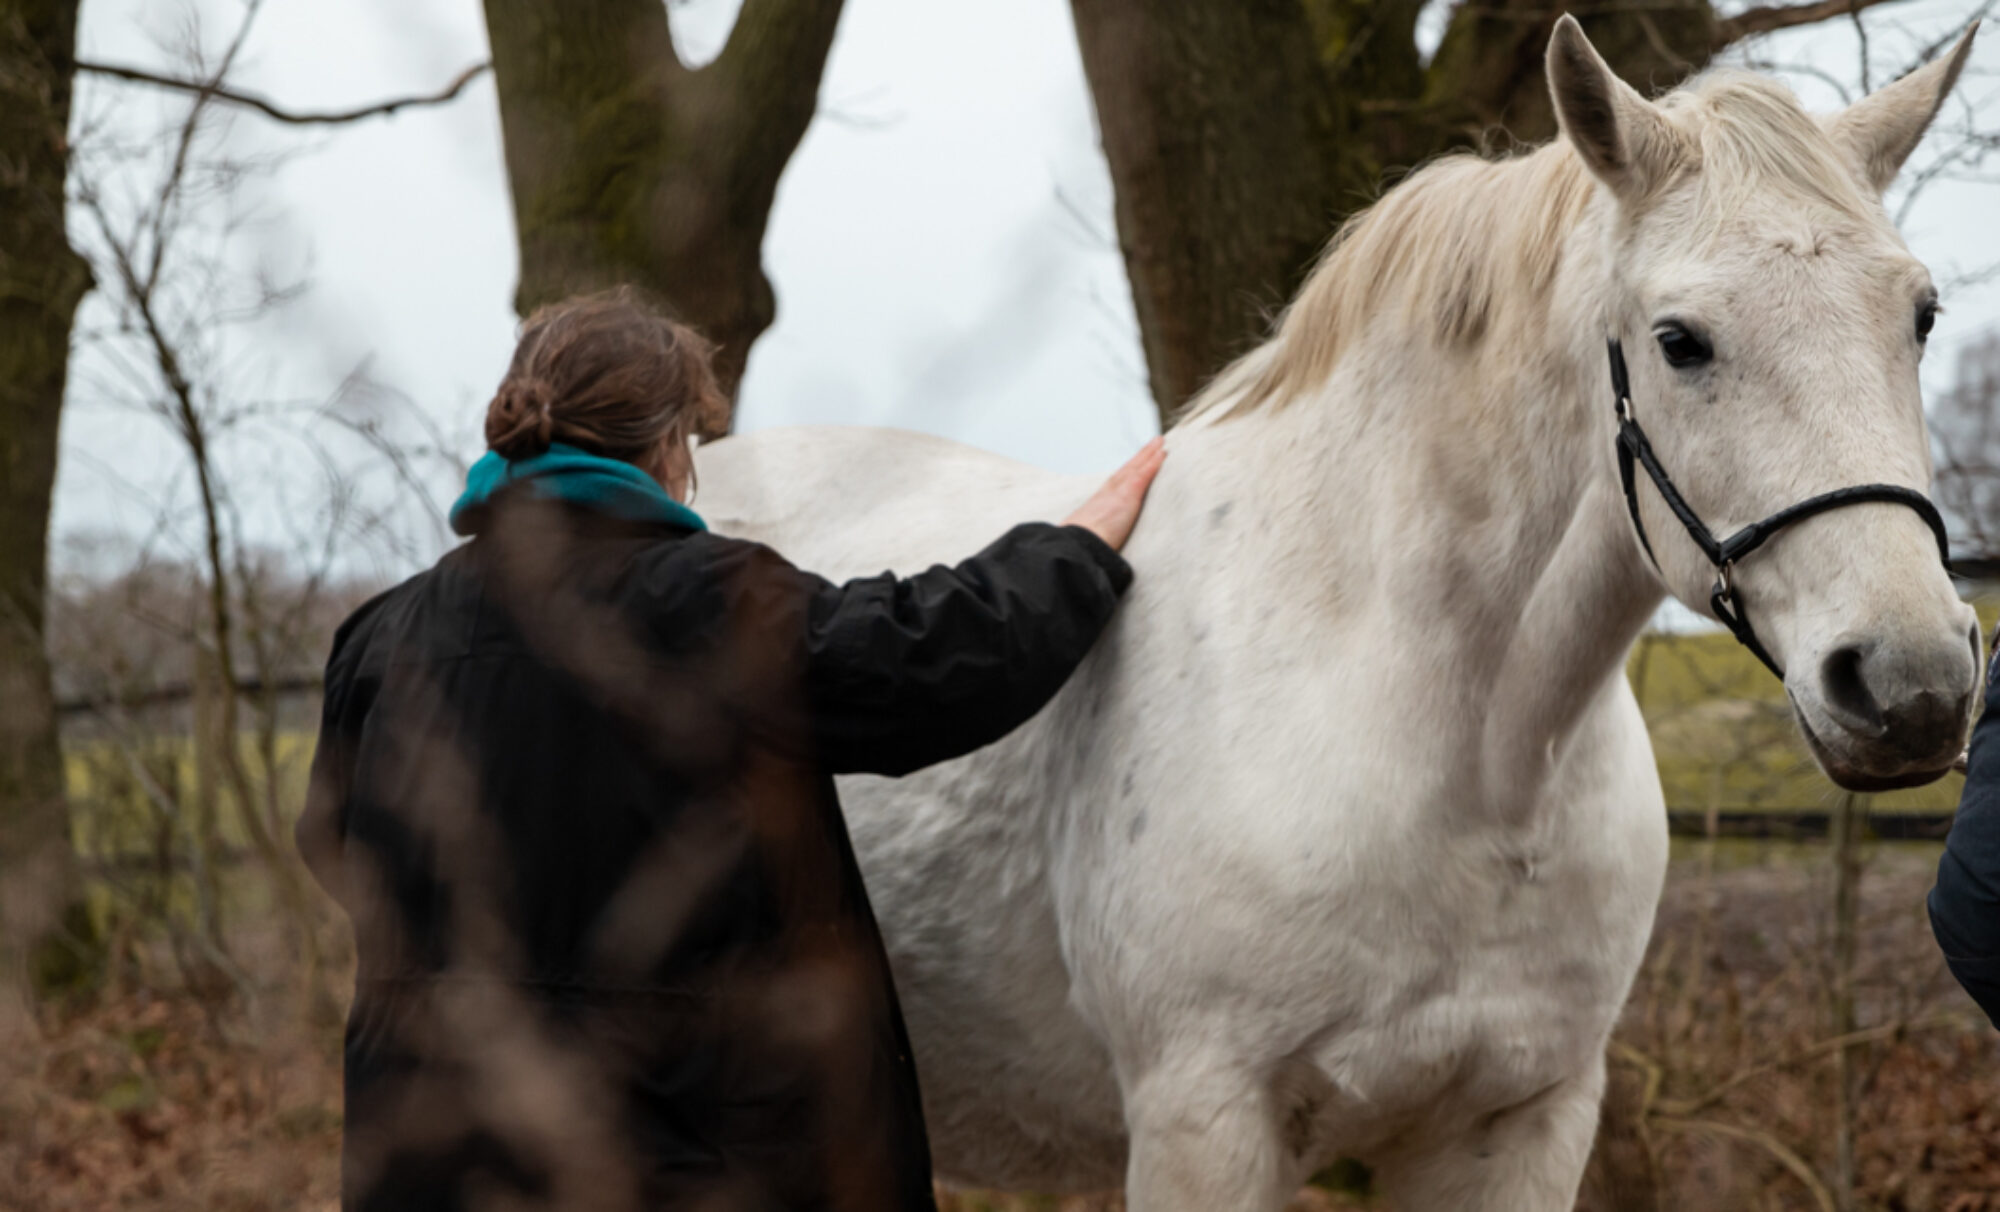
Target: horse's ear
{"points": [[1883, 128], [1622, 138]]}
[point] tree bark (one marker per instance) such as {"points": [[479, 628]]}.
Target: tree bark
{"points": [[1241, 133], [1226, 156], [629, 167], [41, 282]]}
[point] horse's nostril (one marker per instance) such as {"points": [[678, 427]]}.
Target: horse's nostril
{"points": [[1916, 727], [1847, 693]]}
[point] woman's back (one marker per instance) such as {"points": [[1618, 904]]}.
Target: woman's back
{"points": [[574, 787], [596, 878]]}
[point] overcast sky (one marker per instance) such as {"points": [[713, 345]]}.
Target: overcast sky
{"points": [[942, 245]]}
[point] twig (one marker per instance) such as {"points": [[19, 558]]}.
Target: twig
{"points": [[1770, 18], [1701, 1102], [1651, 30], [1861, 35], [1972, 150], [1800, 1168], [1933, 49], [271, 109], [1647, 1066]]}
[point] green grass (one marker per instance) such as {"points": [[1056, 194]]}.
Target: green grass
{"points": [[123, 793]]}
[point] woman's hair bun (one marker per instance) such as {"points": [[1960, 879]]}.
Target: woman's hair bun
{"points": [[520, 422], [608, 373]]}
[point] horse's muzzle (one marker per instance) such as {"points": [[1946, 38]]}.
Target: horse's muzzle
{"points": [[1881, 715]]}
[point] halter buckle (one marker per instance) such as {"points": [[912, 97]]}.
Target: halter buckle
{"points": [[1725, 588], [1625, 409]]}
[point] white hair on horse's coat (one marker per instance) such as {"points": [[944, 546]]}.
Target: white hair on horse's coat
{"points": [[1472, 246]]}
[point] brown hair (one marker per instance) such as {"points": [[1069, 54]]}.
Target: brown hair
{"points": [[608, 373]]}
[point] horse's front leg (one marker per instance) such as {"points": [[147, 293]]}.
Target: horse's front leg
{"points": [[1205, 1137], [1525, 1158]]}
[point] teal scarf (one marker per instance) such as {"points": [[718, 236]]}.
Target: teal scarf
{"points": [[566, 473]]}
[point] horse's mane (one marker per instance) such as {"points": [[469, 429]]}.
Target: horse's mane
{"points": [[1472, 246]]}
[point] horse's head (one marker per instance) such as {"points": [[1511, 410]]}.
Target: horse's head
{"points": [[1772, 320]]}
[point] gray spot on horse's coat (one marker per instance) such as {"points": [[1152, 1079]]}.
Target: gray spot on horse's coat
{"points": [[1216, 515], [1137, 827], [1125, 784]]}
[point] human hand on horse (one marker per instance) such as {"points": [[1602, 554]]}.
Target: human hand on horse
{"points": [[1113, 509]]}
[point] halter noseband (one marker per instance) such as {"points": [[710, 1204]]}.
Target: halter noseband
{"points": [[1723, 554]]}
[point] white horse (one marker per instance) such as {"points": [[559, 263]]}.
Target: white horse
{"points": [[1347, 837]]}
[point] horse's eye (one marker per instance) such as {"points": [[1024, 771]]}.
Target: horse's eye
{"points": [[1927, 314], [1681, 347]]}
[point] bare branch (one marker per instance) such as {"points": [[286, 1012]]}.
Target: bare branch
{"points": [[1785, 1155], [271, 110], [1773, 67], [1971, 152], [1933, 49], [1770, 18], [1861, 36]]}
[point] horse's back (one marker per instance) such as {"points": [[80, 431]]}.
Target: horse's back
{"points": [[848, 501], [1017, 1090]]}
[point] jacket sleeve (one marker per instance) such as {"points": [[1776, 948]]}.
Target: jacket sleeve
{"points": [[1965, 904], [904, 672]]}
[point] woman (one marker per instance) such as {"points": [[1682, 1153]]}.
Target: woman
{"points": [[573, 788]]}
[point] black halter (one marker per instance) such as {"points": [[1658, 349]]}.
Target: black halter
{"points": [[1724, 553]]}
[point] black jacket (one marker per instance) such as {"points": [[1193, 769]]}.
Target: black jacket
{"points": [[573, 788], [1965, 904]]}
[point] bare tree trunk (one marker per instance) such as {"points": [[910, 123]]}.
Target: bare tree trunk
{"points": [[41, 282], [1223, 134], [629, 167], [1240, 133]]}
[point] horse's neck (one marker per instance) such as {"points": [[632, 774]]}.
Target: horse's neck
{"points": [[1481, 506]]}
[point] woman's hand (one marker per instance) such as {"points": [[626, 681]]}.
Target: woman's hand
{"points": [[1113, 510]]}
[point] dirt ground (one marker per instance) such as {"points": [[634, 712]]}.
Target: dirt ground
{"points": [[1725, 1091]]}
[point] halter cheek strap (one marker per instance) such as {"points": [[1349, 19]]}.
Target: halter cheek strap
{"points": [[1634, 451]]}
